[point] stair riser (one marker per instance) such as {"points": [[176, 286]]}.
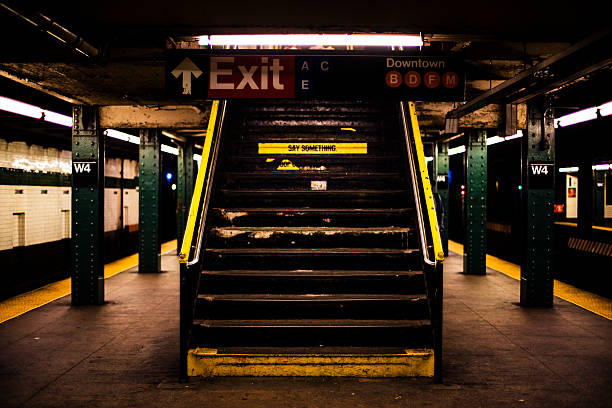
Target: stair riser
{"points": [[302, 285], [330, 162], [312, 337], [362, 309], [253, 180], [217, 261], [286, 123], [231, 238], [305, 219], [236, 198], [320, 136]]}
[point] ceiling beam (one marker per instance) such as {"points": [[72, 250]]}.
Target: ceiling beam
{"points": [[160, 117], [576, 61]]}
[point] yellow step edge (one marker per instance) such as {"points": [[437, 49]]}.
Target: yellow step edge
{"points": [[203, 362]]}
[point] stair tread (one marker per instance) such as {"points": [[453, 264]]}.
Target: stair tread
{"points": [[311, 173], [313, 251], [265, 297], [310, 273], [322, 192], [308, 323], [313, 210], [321, 350], [316, 229]]}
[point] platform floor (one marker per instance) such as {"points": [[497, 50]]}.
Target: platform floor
{"points": [[125, 354]]}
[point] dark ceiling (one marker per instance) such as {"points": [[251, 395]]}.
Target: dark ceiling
{"points": [[498, 40]]}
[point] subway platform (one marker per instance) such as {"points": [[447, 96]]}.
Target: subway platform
{"points": [[125, 354]]}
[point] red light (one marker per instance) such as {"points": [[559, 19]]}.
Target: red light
{"points": [[462, 192], [463, 186]]}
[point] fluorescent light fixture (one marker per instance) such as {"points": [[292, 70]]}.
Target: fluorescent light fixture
{"points": [[115, 134], [605, 109], [494, 140], [577, 117], [596, 167], [456, 150], [311, 40], [584, 115], [197, 158], [519, 133], [428, 159], [169, 149], [25, 109], [603, 166]]}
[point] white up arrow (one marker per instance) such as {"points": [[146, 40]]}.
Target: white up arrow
{"points": [[186, 69]]}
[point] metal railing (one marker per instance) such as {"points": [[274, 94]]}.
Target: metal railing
{"points": [[199, 203], [193, 241], [411, 135], [433, 254]]}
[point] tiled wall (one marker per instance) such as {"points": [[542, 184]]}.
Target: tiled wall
{"points": [[38, 214], [42, 209]]}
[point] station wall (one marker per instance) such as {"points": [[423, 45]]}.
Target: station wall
{"points": [[35, 206]]}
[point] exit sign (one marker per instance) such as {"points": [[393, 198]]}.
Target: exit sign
{"points": [[200, 75]]}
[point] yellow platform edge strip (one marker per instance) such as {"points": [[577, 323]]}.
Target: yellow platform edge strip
{"points": [[20, 304], [573, 224], [412, 363], [589, 301]]}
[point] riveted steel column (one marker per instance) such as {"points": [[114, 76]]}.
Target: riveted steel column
{"points": [[474, 254], [87, 207], [538, 198], [184, 187], [441, 187], [149, 178]]}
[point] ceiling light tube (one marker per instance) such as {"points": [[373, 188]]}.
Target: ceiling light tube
{"points": [[605, 109], [309, 40], [577, 117], [518, 134], [603, 166], [568, 169], [494, 140], [170, 149], [115, 134], [456, 150], [31, 111]]}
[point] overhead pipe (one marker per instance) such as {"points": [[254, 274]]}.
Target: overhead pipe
{"points": [[58, 31]]}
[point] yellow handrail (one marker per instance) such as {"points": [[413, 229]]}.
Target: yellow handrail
{"points": [[429, 202], [199, 187]]}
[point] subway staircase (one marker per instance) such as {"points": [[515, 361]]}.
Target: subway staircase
{"points": [[311, 262]]}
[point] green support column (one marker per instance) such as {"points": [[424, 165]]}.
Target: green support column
{"points": [[475, 248], [538, 198], [184, 187], [149, 178], [87, 208], [441, 187]]}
